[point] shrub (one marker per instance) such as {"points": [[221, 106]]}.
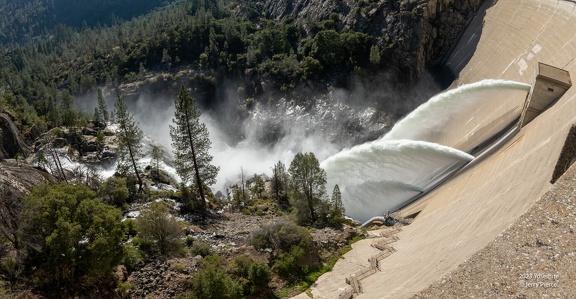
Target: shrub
{"points": [[77, 238], [281, 236], [158, 227], [58, 133], [132, 257], [259, 277], [241, 265], [254, 276], [129, 227], [294, 252], [189, 241], [10, 269], [125, 288], [201, 248], [289, 264], [213, 283]]}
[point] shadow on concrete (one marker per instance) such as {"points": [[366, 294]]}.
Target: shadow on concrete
{"points": [[447, 69]]}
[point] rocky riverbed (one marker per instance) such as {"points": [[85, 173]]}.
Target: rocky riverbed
{"points": [[227, 236]]}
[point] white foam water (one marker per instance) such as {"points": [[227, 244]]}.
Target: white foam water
{"points": [[385, 174]]}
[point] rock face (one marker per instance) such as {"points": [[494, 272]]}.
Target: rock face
{"points": [[10, 140], [411, 34], [18, 180]]}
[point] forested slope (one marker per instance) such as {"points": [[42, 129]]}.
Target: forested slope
{"points": [[267, 48], [25, 20]]}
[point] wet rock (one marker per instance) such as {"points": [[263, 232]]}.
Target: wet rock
{"points": [[108, 132], [109, 154], [59, 142], [91, 146], [89, 131]]}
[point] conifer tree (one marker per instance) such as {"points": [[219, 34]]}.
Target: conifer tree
{"points": [[69, 117], [257, 186], [337, 205], [280, 182], [157, 155], [53, 113], [102, 108], [96, 118], [191, 144], [129, 136]]}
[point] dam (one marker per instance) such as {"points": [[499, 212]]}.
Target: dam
{"points": [[508, 41]]}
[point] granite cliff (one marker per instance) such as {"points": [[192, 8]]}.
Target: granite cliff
{"points": [[412, 35]]}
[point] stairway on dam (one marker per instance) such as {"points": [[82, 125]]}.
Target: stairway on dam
{"points": [[465, 214]]}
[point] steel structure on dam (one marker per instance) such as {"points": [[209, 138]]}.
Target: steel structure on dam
{"points": [[509, 40]]}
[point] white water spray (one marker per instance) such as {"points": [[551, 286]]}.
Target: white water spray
{"points": [[455, 108], [386, 174]]}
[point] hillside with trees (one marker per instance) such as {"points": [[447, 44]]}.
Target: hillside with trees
{"points": [[268, 54], [24, 21]]}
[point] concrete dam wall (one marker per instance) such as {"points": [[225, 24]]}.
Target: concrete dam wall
{"points": [[507, 40]]}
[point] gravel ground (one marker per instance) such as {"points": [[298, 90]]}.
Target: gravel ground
{"points": [[534, 258]]}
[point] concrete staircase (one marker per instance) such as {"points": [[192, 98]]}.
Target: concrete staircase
{"points": [[382, 243]]}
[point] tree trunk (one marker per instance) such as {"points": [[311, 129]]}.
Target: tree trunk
{"points": [[196, 170], [243, 190], [276, 186], [310, 200], [58, 164], [135, 169]]}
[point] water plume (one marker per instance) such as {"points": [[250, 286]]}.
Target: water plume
{"points": [[385, 174]]}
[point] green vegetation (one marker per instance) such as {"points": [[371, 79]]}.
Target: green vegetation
{"points": [[70, 236], [294, 252], [308, 188], [128, 136], [156, 226], [157, 156], [102, 109], [280, 181], [212, 282], [255, 276], [191, 145], [114, 191], [201, 248], [27, 21], [209, 37]]}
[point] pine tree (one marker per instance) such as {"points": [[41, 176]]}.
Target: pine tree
{"points": [[337, 205], [53, 114], [279, 182], [96, 118], [191, 144], [128, 136], [157, 155], [69, 116], [257, 186], [102, 108]]}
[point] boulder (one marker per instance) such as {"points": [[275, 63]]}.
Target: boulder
{"points": [[17, 180], [89, 131], [59, 142], [10, 140], [108, 132], [109, 154], [91, 146]]}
